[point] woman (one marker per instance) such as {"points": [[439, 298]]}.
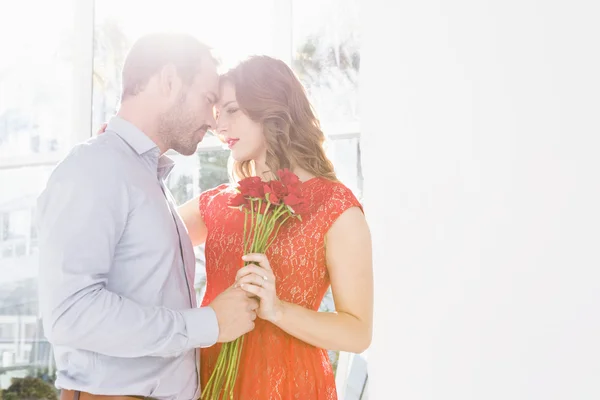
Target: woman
{"points": [[266, 119]]}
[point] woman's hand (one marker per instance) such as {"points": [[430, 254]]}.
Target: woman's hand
{"points": [[102, 129], [258, 279]]}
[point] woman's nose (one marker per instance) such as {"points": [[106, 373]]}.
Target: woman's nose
{"points": [[220, 125]]}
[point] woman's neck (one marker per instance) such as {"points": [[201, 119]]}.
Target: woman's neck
{"points": [[262, 170]]}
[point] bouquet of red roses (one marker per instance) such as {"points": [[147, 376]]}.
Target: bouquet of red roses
{"points": [[266, 207]]}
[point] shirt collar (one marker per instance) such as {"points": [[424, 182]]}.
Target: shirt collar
{"points": [[142, 144], [164, 167], [131, 134]]}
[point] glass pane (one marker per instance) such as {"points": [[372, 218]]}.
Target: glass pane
{"points": [[21, 338], [234, 29], [36, 77], [193, 175], [345, 155], [18, 236], [327, 57]]}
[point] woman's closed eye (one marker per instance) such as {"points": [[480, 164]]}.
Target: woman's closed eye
{"points": [[231, 110]]}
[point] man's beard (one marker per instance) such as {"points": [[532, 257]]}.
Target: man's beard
{"points": [[175, 129]]}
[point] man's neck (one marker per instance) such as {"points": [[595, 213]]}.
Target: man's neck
{"points": [[145, 121]]}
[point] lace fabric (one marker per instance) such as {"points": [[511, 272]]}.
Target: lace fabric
{"points": [[274, 364]]}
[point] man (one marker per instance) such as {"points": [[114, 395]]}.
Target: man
{"points": [[116, 263]]}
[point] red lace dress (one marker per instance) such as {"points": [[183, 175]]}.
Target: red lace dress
{"points": [[274, 364]]}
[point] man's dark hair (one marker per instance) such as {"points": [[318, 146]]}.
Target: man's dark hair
{"points": [[152, 52]]}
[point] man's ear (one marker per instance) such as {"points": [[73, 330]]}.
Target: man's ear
{"points": [[169, 81]]}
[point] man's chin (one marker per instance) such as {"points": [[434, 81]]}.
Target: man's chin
{"points": [[187, 150]]}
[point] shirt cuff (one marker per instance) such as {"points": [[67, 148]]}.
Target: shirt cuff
{"points": [[202, 327]]}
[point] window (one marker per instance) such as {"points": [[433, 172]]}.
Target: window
{"points": [[36, 79], [30, 331], [37, 88], [326, 58], [60, 79], [7, 331], [344, 152], [18, 235]]}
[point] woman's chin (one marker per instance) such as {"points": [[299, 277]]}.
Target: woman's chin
{"points": [[239, 157]]}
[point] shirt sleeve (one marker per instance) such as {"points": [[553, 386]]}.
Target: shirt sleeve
{"points": [[81, 216]]}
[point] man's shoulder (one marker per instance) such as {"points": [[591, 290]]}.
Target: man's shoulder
{"points": [[93, 170], [98, 164], [108, 145], [100, 156]]}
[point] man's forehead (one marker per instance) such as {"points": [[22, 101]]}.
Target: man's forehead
{"points": [[207, 79]]}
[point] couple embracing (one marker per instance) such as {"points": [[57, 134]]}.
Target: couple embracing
{"points": [[117, 263]]}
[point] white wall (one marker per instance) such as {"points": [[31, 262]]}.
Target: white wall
{"points": [[483, 119]]}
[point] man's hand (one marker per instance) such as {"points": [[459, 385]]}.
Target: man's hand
{"points": [[236, 312]]}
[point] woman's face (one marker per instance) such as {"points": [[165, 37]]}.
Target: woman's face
{"points": [[244, 137]]}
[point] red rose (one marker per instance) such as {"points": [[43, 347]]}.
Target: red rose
{"points": [[301, 208], [279, 189], [252, 187], [289, 179], [297, 204], [238, 200], [295, 189], [292, 200], [275, 191], [271, 196]]}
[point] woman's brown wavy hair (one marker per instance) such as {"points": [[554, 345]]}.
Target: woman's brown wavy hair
{"points": [[270, 94]]}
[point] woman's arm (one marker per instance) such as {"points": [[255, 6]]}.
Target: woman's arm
{"points": [[190, 214], [349, 261]]}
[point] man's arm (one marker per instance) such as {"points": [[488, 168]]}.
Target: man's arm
{"points": [[82, 215]]}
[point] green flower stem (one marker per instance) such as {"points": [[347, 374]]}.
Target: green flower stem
{"points": [[268, 228], [229, 383], [238, 356], [226, 350], [256, 225], [277, 231], [245, 227], [215, 376], [258, 236], [261, 227]]}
